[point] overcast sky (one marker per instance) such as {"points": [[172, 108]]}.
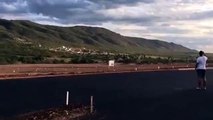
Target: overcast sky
{"points": [[186, 22]]}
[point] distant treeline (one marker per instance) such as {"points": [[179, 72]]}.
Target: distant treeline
{"points": [[11, 53], [90, 58]]}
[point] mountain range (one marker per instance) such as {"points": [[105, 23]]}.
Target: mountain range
{"points": [[15, 33]]}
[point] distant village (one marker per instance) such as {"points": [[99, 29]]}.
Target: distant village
{"points": [[71, 50], [80, 51]]}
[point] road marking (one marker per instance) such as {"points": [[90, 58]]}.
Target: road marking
{"points": [[185, 69]]}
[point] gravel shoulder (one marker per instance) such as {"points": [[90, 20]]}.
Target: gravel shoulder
{"points": [[52, 70]]}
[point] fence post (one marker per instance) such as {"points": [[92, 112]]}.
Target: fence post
{"points": [[91, 104], [67, 98]]}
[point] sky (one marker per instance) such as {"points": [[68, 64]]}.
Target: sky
{"points": [[185, 22]]}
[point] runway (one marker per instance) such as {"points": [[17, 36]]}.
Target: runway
{"points": [[160, 95]]}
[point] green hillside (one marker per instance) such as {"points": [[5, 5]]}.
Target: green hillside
{"points": [[17, 32]]}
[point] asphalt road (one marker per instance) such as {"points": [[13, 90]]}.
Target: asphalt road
{"points": [[164, 95]]}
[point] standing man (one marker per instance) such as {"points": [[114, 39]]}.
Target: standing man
{"points": [[201, 70]]}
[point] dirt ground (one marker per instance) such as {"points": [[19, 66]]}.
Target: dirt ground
{"points": [[46, 70], [61, 113]]}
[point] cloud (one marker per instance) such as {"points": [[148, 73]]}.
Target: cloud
{"points": [[13, 6], [186, 22], [73, 11], [60, 9], [116, 3]]}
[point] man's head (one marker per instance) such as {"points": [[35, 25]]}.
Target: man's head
{"points": [[201, 53]]}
